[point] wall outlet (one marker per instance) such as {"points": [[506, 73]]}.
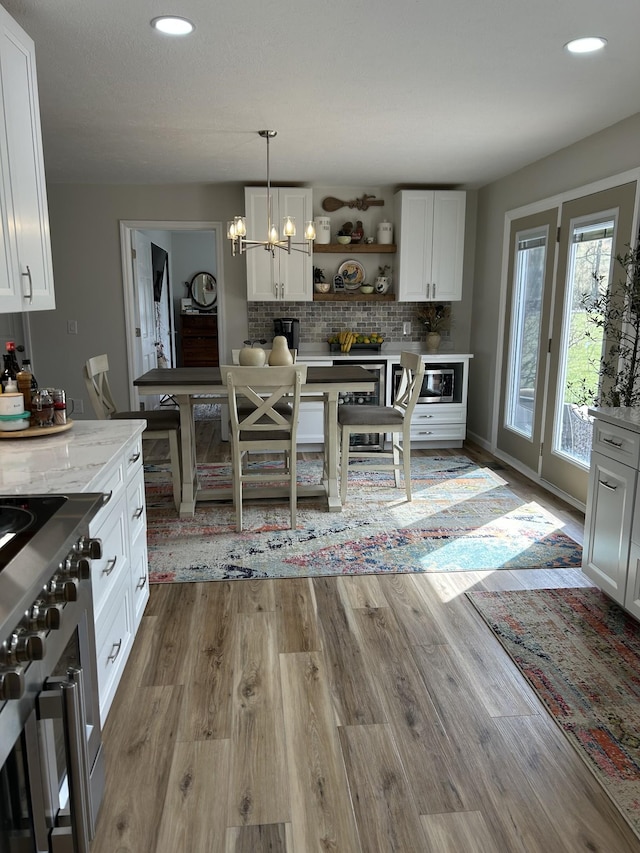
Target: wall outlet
{"points": [[77, 407], [406, 327], [72, 327]]}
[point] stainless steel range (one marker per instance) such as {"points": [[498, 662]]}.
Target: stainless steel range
{"points": [[51, 764]]}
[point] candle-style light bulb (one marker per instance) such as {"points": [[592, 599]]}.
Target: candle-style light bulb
{"points": [[289, 227], [273, 234], [310, 230], [241, 226], [231, 229]]}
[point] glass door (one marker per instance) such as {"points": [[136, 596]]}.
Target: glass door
{"points": [[594, 229], [530, 283]]}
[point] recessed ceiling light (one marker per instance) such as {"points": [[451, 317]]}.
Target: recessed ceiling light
{"points": [[172, 25], [585, 45]]}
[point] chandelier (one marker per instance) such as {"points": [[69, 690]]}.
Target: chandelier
{"points": [[237, 227]]}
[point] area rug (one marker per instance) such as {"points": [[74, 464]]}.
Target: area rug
{"points": [[581, 654], [462, 518]]}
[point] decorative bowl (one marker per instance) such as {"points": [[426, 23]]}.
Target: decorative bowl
{"points": [[366, 288], [344, 239]]}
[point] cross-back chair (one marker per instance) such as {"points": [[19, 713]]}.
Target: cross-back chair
{"points": [[394, 419], [161, 424], [264, 408]]}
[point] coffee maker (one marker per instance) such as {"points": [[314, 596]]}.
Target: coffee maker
{"points": [[290, 328]]}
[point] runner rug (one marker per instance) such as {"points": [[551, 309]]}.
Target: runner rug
{"points": [[462, 518], [581, 654]]}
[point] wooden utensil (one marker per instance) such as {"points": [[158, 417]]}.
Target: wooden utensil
{"points": [[330, 203]]}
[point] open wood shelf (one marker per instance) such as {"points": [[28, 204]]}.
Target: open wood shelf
{"points": [[354, 297], [354, 248]]}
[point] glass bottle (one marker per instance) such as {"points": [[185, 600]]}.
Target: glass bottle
{"points": [[8, 374], [25, 384], [11, 352]]}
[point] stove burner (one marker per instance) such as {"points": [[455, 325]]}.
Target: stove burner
{"points": [[14, 520], [21, 518]]}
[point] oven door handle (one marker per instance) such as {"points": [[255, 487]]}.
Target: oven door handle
{"points": [[66, 700]]}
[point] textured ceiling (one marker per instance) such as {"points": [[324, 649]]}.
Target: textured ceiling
{"points": [[363, 92]]}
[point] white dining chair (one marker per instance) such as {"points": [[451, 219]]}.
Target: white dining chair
{"points": [[264, 407], [161, 424], [394, 419]]}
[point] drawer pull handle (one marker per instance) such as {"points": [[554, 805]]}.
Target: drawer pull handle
{"points": [[138, 512], [425, 432], [135, 457], [115, 651], [611, 441], [142, 582], [111, 564], [107, 497], [608, 486]]}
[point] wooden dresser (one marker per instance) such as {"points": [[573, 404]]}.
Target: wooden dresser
{"points": [[199, 340]]}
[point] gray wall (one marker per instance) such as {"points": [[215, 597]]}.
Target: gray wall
{"points": [[610, 152], [85, 237]]}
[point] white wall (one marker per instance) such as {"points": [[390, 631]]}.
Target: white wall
{"points": [[610, 152]]}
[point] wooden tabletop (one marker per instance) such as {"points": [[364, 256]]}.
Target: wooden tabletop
{"points": [[199, 376]]}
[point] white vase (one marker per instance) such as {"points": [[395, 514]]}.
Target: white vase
{"points": [[433, 341], [252, 357], [280, 352]]}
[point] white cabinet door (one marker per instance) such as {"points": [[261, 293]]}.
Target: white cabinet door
{"points": [[608, 524], [632, 594], [285, 276], [430, 227], [25, 217]]}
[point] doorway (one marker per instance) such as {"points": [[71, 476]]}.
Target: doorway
{"points": [[162, 233], [555, 256]]}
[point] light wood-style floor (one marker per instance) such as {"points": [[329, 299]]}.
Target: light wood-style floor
{"points": [[356, 715]]}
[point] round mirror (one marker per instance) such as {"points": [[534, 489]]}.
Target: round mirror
{"points": [[204, 289]]}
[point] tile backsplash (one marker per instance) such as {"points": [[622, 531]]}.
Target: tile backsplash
{"points": [[319, 320]]}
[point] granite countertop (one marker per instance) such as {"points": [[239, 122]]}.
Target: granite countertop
{"points": [[623, 416], [72, 461]]}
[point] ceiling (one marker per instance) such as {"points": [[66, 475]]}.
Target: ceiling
{"points": [[364, 92]]}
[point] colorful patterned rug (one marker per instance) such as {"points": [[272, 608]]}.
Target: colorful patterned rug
{"points": [[462, 518], [581, 654]]}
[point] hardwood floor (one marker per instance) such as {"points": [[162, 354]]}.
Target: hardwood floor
{"points": [[354, 714]]}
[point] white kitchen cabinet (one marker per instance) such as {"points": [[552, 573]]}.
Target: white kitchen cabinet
{"points": [[608, 524], [283, 276], [120, 578], [430, 227], [26, 271]]}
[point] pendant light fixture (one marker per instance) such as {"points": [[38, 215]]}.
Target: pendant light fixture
{"points": [[237, 227]]}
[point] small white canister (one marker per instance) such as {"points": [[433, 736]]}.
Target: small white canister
{"points": [[323, 229], [385, 232], [11, 404]]}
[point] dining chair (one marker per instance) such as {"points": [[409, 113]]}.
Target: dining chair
{"points": [[394, 419], [264, 407], [161, 424]]}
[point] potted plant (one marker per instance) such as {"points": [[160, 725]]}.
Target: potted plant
{"points": [[616, 313], [435, 317]]}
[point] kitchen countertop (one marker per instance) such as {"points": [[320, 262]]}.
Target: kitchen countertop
{"points": [[71, 461], [391, 352], [623, 416]]}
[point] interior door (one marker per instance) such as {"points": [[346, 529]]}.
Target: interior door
{"points": [[594, 229], [532, 250], [145, 342]]}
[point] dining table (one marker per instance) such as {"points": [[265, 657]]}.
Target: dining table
{"points": [[189, 385]]}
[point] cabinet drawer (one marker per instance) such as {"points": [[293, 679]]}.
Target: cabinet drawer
{"points": [[438, 413], [617, 443], [438, 432], [114, 637], [106, 571], [133, 456], [139, 580], [136, 508], [111, 484]]}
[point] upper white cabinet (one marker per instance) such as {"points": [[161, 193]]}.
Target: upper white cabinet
{"points": [[26, 271], [430, 236], [290, 277]]}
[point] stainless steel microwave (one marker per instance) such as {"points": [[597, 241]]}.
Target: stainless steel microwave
{"points": [[437, 384]]}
